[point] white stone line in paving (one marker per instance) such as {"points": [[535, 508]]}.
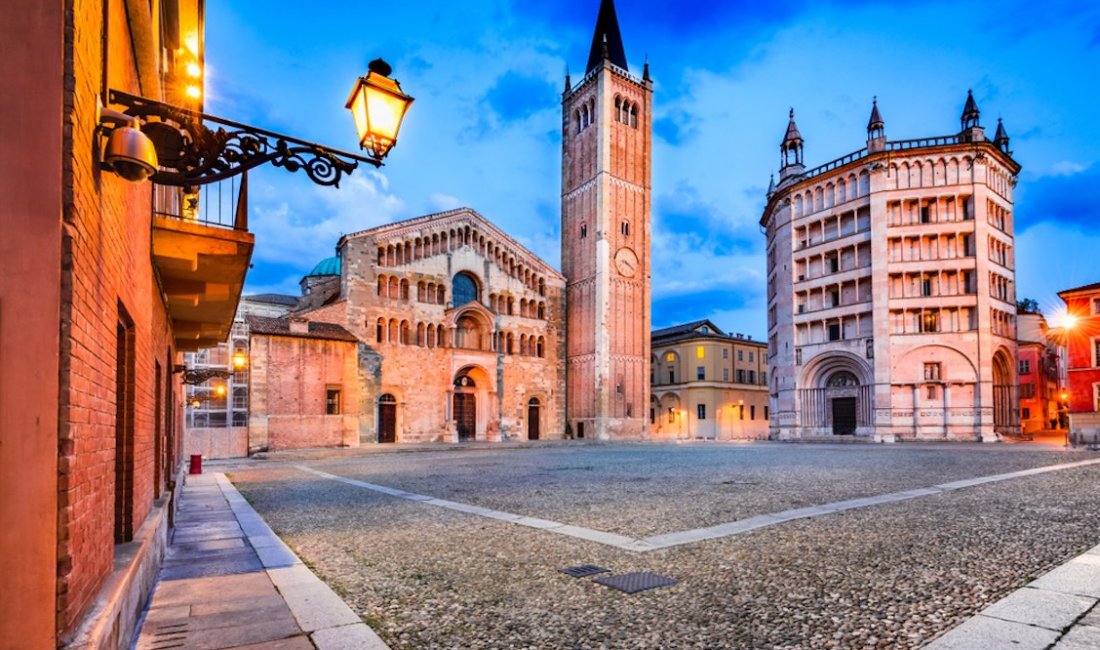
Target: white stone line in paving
{"points": [[1047, 612], [668, 540], [318, 610]]}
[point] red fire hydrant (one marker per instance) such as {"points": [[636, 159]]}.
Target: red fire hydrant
{"points": [[196, 464]]}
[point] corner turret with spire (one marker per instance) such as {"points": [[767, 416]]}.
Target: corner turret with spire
{"points": [[790, 152], [972, 130], [876, 130]]}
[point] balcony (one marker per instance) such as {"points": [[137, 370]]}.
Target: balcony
{"points": [[201, 250]]}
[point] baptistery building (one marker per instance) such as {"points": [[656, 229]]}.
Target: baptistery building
{"points": [[891, 287]]}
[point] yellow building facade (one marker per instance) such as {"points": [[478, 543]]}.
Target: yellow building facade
{"points": [[707, 384]]}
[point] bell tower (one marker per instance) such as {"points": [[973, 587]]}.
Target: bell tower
{"points": [[605, 235]]}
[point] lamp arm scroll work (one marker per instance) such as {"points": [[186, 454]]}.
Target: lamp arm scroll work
{"points": [[191, 154]]}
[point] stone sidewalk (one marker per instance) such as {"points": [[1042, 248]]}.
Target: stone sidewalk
{"points": [[1058, 611], [229, 582]]}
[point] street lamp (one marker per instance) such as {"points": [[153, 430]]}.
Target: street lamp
{"points": [[378, 105], [173, 146]]}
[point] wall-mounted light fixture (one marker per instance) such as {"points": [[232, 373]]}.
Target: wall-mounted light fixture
{"points": [[172, 145]]}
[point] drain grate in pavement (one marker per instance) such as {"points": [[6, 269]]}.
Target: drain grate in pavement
{"points": [[583, 570], [632, 583]]}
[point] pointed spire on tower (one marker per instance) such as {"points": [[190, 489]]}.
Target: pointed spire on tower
{"points": [[771, 184], [1000, 139], [790, 151], [876, 129], [792, 134], [645, 68], [971, 114], [876, 117], [568, 83], [607, 42]]}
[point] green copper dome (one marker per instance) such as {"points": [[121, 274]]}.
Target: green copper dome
{"points": [[327, 266]]}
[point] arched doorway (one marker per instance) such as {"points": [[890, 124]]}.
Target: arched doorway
{"points": [[387, 419], [841, 390], [533, 418], [1004, 398], [465, 407]]}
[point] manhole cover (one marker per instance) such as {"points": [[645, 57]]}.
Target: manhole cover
{"points": [[632, 583], [584, 570]]}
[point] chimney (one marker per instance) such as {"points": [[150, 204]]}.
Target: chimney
{"points": [[299, 325]]}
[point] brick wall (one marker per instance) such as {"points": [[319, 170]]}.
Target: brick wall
{"points": [[106, 265], [287, 393]]}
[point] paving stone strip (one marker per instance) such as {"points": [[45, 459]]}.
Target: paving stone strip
{"points": [[1058, 611], [668, 540], [229, 582]]}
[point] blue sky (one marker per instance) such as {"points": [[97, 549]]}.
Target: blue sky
{"points": [[484, 131]]}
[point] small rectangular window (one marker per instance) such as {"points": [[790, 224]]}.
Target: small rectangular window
{"points": [[1026, 414], [625, 228], [584, 230], [332, 401], [766, 413], [671, 416], [1025, 366], [752, 411], [671, 376], [740, 355], [932, 392], [834, 331], [725, 353], [700, 373], [752, 376], [700, 352], [751, 359], [701, 411], [725, 374], [740, 376]]}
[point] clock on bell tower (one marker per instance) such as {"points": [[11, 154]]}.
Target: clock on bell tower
{"points": [[605, 204]]}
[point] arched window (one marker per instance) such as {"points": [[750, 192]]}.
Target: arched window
{"points": [[380, 331], [404, 332], [404, 289], [382, 286], [420, 291], [541, 350], [542, 287], [420, 335], [431, 335], [634, 116], [464, 289], [393, 331], [381, 256], [542, 311], [509, 343], [523, 345], [441, 295], [394, 288], [439, 336]]}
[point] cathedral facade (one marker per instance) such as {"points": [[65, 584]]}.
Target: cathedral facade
{"points": [[460, 333]]}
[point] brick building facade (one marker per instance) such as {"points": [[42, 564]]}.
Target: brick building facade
{"points": [[104, 285], [455, 334], [891, 288], [605, 238]]}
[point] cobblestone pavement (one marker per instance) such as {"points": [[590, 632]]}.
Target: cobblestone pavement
{"points": [[892, 575]]}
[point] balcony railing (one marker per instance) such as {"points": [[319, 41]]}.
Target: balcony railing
{"points": [[223, 204]]}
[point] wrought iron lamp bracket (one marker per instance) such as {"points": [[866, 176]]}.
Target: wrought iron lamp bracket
{"points": [[195, 376], [191, 154]]}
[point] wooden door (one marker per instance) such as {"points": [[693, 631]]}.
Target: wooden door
{"points": [[844, 416], [387, 421], [533, 420], [466, 416]]}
